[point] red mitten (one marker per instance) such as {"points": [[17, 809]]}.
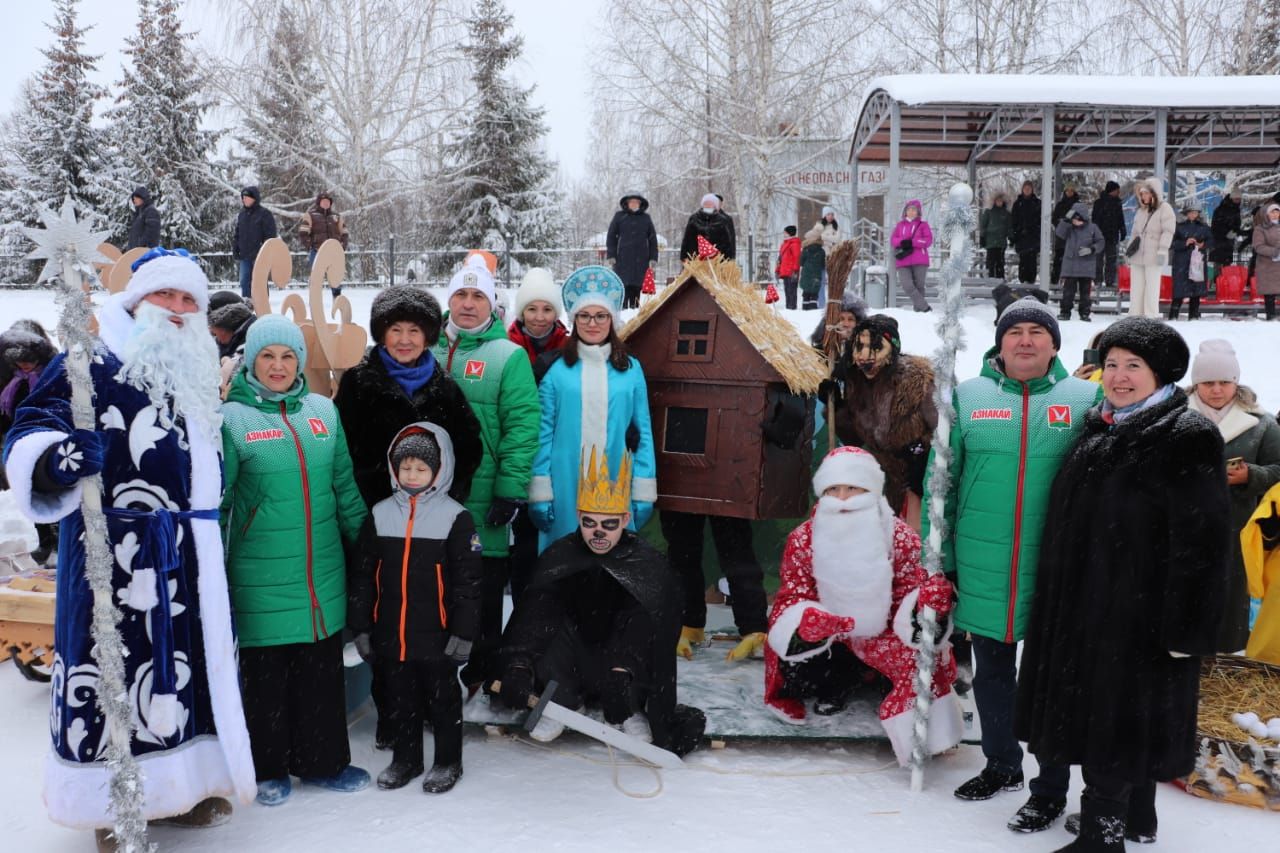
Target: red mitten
{"points": [[706, 249], [817, 625], [936, 593]]}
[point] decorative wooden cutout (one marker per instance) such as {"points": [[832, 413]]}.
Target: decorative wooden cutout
{"points": [[273, 262], [122, 269]]}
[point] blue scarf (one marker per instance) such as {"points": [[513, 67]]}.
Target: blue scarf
{"points": [[410, 377], [1112, 415]]}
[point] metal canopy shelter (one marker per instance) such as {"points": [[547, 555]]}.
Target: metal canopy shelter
{"points": [[1023, 120]]}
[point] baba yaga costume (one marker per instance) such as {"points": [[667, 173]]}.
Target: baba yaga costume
{"points": [[161, 482], [851, 583], [586, 615]]}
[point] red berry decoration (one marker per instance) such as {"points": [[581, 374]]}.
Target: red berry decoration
{"points": [[770, 295], [705, 249], [648, 288]]}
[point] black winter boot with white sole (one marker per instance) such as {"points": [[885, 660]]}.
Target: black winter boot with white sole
{"points": [[1037, 814], [988, 783]]}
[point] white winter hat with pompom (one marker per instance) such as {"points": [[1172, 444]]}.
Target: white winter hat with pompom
{"points": [[538, 285]]}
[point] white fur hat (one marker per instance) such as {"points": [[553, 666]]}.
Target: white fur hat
{"points": [[849, 466], [163, 269], [538, 285], [1215, 362], [712, 200], [828, 211], [474, 274]]}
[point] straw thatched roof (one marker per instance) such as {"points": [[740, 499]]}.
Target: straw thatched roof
{"points": [[777, 341]]}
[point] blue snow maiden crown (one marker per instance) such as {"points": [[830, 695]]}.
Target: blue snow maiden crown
{"points": [[594, 285]]}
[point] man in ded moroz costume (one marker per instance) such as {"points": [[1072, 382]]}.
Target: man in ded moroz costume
{"points": [[156, 446], [851, 584]]}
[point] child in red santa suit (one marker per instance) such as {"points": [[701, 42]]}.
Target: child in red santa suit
{"points": [[851, 584]]}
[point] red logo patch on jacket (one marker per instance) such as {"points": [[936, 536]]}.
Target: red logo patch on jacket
{"points": [[263, 435], [474, 369], [318, 428], [1059, 417], [991, 415]]}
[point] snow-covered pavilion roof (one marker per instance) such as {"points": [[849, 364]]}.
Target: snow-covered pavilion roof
{"points": [[1097, 120]]}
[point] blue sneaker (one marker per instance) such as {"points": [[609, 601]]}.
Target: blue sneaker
{"points": [[347, 780], [273, 792]]}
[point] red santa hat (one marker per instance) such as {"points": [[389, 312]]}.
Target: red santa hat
{"points": [[849, 466]]}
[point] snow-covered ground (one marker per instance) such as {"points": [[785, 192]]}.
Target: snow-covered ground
{"points": [[754, 797]]}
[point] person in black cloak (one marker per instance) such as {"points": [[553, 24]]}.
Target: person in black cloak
{"points": [[600, 615], [1111, 663]]}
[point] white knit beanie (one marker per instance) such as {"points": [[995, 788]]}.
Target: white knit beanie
{"points": [[1215, 362], [849, 466], [165, 270], [474, 274], [711, 199], [538, 285]]}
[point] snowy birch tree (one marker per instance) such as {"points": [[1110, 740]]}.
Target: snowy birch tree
{"points": [[1179, 38], [156, 131], [51, 150], [499, 190]]}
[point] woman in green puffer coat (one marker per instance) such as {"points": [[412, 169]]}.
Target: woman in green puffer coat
{"points": [[289, 503]]}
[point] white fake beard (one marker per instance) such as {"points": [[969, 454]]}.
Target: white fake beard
{"points": [[851, 559], [176, 366]]}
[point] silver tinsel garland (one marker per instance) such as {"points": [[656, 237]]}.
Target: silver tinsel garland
{"points": [[958, 224], [69, 249]]}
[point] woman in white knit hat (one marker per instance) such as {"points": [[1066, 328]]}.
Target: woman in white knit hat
{"points": [[1252, 447], [537, 325]]}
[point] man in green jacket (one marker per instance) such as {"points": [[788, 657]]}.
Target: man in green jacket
{"points": [[1014, 425], [497, 380]]}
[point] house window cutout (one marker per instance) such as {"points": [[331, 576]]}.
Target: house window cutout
{"points": [[686, 431], [694, 339]]}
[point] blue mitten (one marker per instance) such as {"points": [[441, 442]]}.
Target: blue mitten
{"points": [[542, 515], [78, 456], [641, 511]]}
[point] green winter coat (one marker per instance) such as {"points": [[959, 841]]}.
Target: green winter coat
{"points": [[995, 225], [290, 500], [813, 262], [1008, 440], [497, 380]]}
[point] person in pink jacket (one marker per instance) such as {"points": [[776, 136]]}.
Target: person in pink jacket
{"points": [[910, 244]]}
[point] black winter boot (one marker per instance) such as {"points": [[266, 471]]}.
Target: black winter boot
{"points": [[398, 774], [1037, 814], [988, 783], [441, 778], [1100, 825]]}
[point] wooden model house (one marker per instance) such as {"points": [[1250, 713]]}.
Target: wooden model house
{"points": [[724, 371]]}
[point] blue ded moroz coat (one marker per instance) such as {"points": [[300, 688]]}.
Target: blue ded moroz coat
{"points": [[160, 496]]}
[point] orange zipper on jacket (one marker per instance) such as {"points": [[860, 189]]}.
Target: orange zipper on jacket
{"points": [[316, 611], [444, 618], [1017, 513], [404, 571]]}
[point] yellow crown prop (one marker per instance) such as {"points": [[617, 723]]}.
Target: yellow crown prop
{"points": [[598, 492]]}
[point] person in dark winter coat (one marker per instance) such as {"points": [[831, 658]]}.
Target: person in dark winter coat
{"points": [[1108, 215], [788, 270], [813, 263], [320, 223], [1081, 244], [398, 383], [25, 351], [712, 224], [144, 223], [1188, 258], [415, 605], [255, 225], [1111, 662], [229, 324], [600, 617], [1025, 232], [995, 227], [631, 246], [1226, 228], [1252, 452], [1061, 210], [887, 408]]}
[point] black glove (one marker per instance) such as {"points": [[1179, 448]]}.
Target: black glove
{"points": [[364, 645], [828, 388], [615, 697], [1270, 527], [502, 512], [905, 243], [517, 687], [457, 649]]}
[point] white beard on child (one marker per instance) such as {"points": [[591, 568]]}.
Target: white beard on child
{"points": [[852, 543]]}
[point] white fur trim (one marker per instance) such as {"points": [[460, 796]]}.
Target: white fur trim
{"points": [[598, 300], [784, 628], [849, 468], [644, 489], [946, 725], [115, 324], [902, 627], [173, 781], [143, 596], [169, 271], [163, 719], [24, 456], [781, 715], [595, 397], [215, 619], [540, 489]]}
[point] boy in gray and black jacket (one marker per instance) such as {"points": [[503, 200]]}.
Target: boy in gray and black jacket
{"points": [[414, 605]]}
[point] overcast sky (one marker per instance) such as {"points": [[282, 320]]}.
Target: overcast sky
{"points": [[555, 53]]}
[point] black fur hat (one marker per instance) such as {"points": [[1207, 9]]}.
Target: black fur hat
{"points": [[405, 303], [25, 340], [1155, 341]]}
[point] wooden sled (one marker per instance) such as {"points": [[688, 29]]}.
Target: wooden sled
{"points": [[26, 622]]}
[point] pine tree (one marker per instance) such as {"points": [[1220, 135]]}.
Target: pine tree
{"points": [[500, 194], [54, 152], [156, 133]]}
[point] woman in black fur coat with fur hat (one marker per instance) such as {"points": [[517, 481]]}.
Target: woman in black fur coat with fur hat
{"points": [[1131, 586], [25, 351]]}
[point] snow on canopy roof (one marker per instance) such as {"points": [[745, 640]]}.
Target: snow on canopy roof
{"points": [[777, 341], [1098, 121]]}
